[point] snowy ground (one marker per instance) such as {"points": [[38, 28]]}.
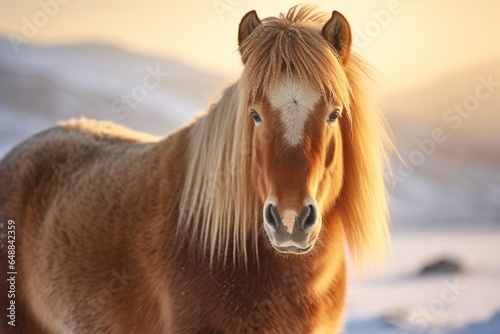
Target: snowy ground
{"points": [[458, 185], [402, 301]]}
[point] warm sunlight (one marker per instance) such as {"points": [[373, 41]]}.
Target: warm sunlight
{"points": [[408, 42], [198, 167]]}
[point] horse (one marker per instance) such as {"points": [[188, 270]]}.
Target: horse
{"points": [[245, 220]]}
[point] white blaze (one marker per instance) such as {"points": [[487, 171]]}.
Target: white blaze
{"points": [[295, 101], [289, 220]]}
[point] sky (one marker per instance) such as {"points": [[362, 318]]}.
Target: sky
{"points": [[409, 42]]}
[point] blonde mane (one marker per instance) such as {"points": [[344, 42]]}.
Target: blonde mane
{"points": [[218, 206], [293, 45], [363, 201]]}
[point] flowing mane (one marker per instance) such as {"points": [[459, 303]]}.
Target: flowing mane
{"points": [[218, 206]]}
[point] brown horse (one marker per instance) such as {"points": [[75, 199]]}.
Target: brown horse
{"points": [[234, 224]]}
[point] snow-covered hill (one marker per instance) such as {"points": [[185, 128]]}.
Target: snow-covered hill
{"points": [[42, 85], [448, 133]]}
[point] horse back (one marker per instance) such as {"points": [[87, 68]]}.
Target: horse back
{"points": [[37, 181], [46, 160]]}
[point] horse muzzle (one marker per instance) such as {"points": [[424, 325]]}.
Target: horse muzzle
{"points": [[290, 232]]}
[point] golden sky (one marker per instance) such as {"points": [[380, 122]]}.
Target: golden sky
{"points": [[407, 41]]}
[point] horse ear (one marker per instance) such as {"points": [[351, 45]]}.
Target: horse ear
{"points": [[248, 23], [338, 33]]}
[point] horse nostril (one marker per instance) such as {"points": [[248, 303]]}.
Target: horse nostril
{"points": [[272, 216], [307, 217]]}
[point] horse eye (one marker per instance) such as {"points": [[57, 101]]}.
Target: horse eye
{"points": [[333, 116], [255, 115]]}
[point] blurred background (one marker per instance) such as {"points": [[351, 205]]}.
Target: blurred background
{"points": [[438, 68]]}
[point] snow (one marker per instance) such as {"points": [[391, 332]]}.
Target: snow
{"points": [[402, 301], [448, 206]]}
